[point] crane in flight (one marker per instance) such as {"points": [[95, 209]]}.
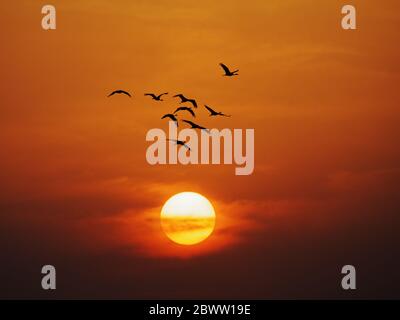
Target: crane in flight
{"points": [[120, 92], [214, 113], [184, 99], [156, 97], [228, 73]]}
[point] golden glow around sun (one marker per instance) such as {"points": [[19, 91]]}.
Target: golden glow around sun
{"points": [[187, 218]]}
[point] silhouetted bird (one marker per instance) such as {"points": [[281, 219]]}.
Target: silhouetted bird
{"points": [[155, 97], [229, 73], [215, 113], [172, 117], [120, 92], [184, 99], [180, 143], [185, 109], [195, 126]]}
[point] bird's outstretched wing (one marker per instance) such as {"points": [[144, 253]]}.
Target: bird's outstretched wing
{"points": [[172, 117], [150, 95], [209, 109], [185, 109], [226, 69], [120, 92], [191, 112], [193, 102], [169, 116], [163, 94]]}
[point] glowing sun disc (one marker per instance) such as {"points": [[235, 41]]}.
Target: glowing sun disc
{"points": [[187, 218]]}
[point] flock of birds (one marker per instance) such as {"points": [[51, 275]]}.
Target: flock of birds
{"points": [[184, 100]]}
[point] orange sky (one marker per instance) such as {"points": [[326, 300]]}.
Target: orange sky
{"points": [[324, 104]]}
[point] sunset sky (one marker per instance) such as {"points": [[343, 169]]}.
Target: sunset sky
{"points": [[76, 191]]}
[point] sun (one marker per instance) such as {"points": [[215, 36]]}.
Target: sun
{"points": [[188, 218]]}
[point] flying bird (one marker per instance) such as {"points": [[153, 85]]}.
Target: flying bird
{"points": [[184, 99], [185, 109], [195, 126], [156, 97], [172, 117], [180, 143], [120, 92], [214, 113], [228, 73]]}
